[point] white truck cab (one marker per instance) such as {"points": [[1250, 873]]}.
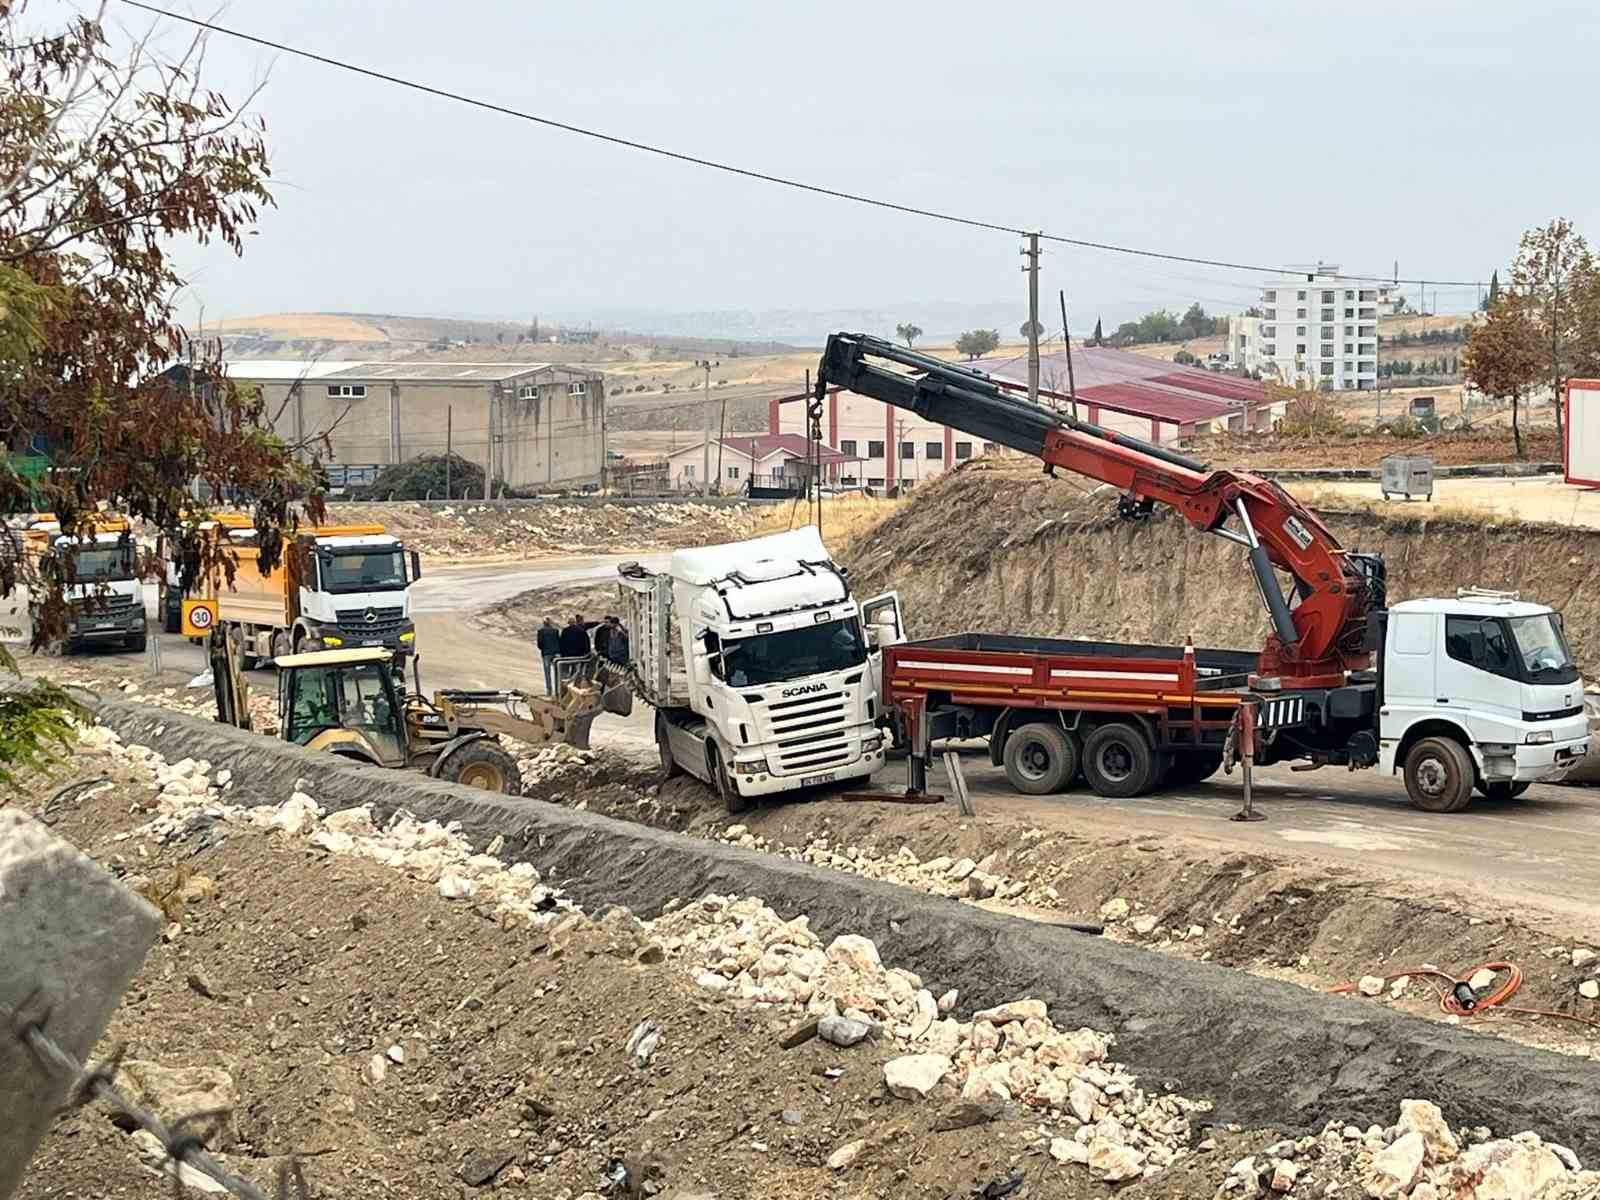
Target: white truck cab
{"points": [[1484, 683], [755, 659]]}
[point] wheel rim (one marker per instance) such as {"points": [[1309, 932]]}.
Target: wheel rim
{"points": [[1033, 761], [483, 775], [1433, 777], [1116, 761]]}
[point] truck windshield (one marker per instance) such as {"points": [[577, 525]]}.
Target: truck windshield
{"points": [[346, 571], [794, 653], [1542, 648], [102, 562]]}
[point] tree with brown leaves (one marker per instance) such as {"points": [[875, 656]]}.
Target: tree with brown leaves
{"points": [[107, 160], [1505, 355]]}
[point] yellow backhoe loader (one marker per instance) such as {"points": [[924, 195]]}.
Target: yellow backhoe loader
{"points": [[350, 703]]}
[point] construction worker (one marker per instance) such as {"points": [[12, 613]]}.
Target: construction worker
{"points": [[548, 641]]}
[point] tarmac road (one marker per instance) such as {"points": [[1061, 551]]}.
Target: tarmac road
{"points": [[1542, 849]]}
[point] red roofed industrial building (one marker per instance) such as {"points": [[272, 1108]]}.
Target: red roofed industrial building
{"points": [[883, 446]]}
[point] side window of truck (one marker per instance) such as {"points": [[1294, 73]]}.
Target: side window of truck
{"points": [[1479, 642], [1411, 633]]}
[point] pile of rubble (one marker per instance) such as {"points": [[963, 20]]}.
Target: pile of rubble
{"points": [[543, 527], [1095, 1111], [1420, 1158]]}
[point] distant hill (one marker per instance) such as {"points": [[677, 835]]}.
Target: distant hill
{"points": [[384, 336]]}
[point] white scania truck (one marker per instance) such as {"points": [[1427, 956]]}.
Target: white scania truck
{"points": [[755, 658]]}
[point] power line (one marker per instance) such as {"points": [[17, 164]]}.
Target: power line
{"points": [[762, 176]]}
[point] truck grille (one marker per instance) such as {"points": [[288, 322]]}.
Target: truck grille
{"points": [[353, 622], [110, 603], [810, 733]]}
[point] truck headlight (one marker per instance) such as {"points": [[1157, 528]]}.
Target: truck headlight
{"points": [[329, 640], [1541, 737], [751, 766], [409, 635], [871, 742]]}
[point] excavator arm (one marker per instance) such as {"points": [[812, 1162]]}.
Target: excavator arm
{"points": [[1313, 643]]}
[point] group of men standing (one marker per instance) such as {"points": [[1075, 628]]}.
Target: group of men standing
{"points": [[609, 642]]}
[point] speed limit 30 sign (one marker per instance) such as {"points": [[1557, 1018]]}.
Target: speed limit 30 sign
{"points": [[199, 617]]}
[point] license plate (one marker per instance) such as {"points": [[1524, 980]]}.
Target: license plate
{"points": [[373, 642], [808, 780]]}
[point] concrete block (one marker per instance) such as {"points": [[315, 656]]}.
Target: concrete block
{"points": [[68, 927]]}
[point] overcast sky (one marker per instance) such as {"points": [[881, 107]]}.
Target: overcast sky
{"points": [[1358, 132]]}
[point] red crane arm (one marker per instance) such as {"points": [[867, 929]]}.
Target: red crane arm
{"points": [[1313, 644]]}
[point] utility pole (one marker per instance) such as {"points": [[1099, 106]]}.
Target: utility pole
{"points": [[900, 454], [1031, 253], [449, 410], [488, 452], [705, 426]]}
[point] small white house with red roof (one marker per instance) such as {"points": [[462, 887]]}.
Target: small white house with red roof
{"points": [[770, 459]]}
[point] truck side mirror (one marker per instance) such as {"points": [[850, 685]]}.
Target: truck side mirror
{"points": [[416, 565]]}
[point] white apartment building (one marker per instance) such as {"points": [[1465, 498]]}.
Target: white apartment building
{"points": [[1313, 328]]}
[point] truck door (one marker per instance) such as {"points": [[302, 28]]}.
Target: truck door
{"points": [[1476, 676], [880, 617], [1408, 664]]}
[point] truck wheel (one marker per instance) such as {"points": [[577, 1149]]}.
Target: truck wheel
{"points": [[136, 641], [247, 661], [483, 764], [1502, 790], [171, 619], [1188, 769], [669, 764], [1040, 758], [727, 790], [1118, 761], [1439, 775]]}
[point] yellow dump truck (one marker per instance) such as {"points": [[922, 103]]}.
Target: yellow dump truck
{"points": [[333, 587], [100, 580]]}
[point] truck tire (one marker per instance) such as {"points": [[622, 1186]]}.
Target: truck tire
{"points": [[136, 641], [483, 764], [1189, 769], [1118, 761], [1439, 775], [1502, 790], [727, 791], [1040, 758], [171, 618], [247, 661], [669, 764]]}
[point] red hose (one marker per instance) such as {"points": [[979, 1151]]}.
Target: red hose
{"points": [[1495, 999]]}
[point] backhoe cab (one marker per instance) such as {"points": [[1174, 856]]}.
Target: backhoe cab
{"points": [[350, 703]]}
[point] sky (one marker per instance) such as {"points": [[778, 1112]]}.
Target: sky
{"points": [[1359, 133]]}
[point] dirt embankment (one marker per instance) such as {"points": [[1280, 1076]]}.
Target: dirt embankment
{"points": [[547, 528], [996, 548], [1366, 448]]}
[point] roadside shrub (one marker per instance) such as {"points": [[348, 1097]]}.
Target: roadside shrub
{"points": [[1406, 427], [424, 479]]}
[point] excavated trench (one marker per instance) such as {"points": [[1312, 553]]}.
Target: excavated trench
{"points": [[1264, 1052]]}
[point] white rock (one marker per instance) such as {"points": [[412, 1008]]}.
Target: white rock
{"points": [[1395, 1170], [1284, 1173], [1482, 980], [332, 842], [1582, 957], [1114, 1162], [927, 1014], [1145, 925], [735, 832], [913, 1076], [397, 1054], [357, 822], [961, 868], [1370, 985], [1589, 989], [1015, 1010], [711, 981], [1083, 1096], [455, 887], [1063, 1150], [1423, 1117], [846, 1154], [948, 1000], [376, 1070], [1504, 1170], [1114, 909], [842, 1031], [855, 951]]}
